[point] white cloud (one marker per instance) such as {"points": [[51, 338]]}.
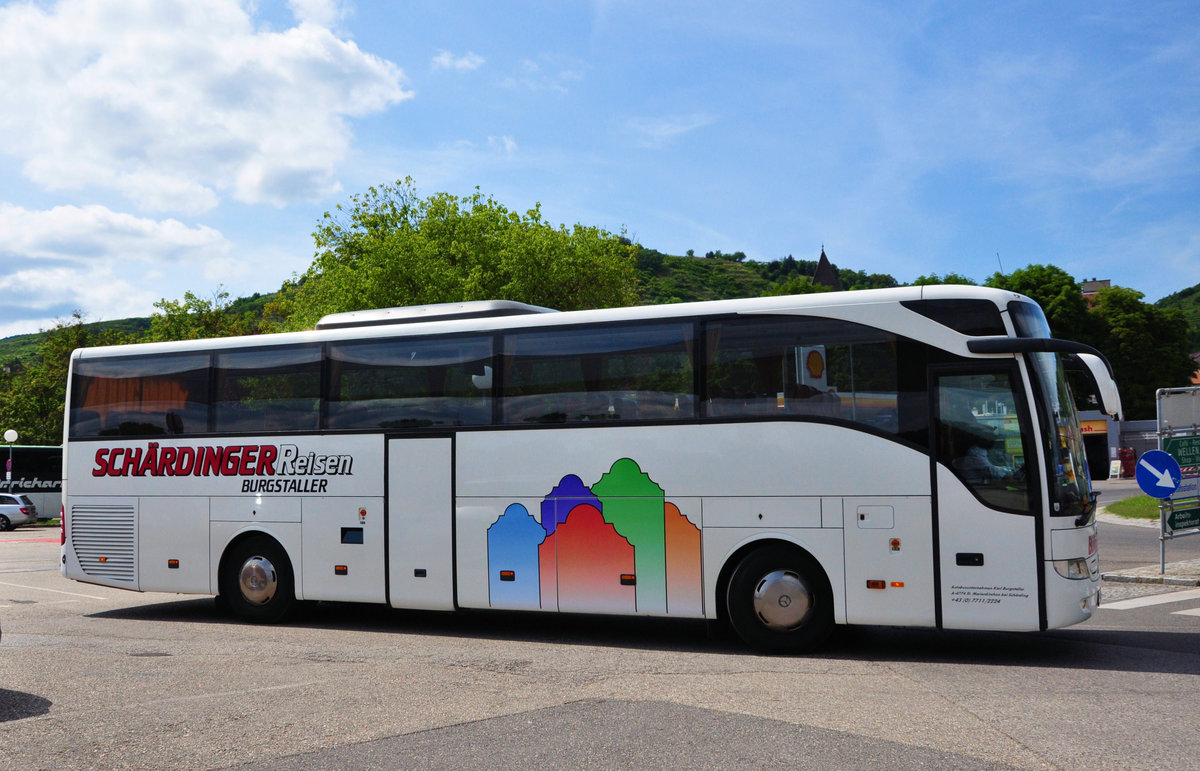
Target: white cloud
{"points": [[550, 72], [323, 13], [92, 257], [655, 132], [176, 103], [465, 63], [505, 144]]}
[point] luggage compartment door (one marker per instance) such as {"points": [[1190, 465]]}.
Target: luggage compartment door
{"points": [[420, 510]]}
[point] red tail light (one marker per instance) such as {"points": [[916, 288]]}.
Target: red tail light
{"points": [[24, 511], [62, 524]]}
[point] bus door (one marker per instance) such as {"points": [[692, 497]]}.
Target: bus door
{"points": [[420, 511], [987, 513]]}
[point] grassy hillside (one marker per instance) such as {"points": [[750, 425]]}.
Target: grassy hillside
{"points": [[663, 278], [1188, 301], [23, 348]]}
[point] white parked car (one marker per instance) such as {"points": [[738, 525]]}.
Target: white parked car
{"points": [[16, 510]]}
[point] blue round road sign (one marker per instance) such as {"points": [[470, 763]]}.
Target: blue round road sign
{"points": [[1158, 474]]}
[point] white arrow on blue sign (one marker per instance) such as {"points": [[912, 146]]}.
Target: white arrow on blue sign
{"points": [[1158, 474]]}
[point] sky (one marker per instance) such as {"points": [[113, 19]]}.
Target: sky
{"points": [[154, 147]]}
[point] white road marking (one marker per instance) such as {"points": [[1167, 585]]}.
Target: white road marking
{"points": [[1152, 599], [53, 602], [1192, 612], [56, 591]]}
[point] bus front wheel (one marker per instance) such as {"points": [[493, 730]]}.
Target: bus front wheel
{"points": [[778, 600], [257, 582]]}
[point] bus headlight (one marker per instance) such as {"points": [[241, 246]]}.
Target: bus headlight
{"points": [[1074, 569]]}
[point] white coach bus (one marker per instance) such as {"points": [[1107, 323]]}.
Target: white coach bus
{"points": [[905, 456]]}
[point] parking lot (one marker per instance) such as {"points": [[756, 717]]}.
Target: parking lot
{"points": [[98, 677]]}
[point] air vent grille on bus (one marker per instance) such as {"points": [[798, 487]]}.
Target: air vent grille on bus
{"points": [[104, 538]]}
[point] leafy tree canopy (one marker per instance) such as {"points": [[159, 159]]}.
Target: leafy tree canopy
{"points": [[949, 278], [32, 400], [1188, 301], [194, 317], [796, 284], [1056, 291], [390, 247], [1147, 345]]}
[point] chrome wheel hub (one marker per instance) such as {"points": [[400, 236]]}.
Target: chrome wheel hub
{"points": [[257, 580], [782, 600]]}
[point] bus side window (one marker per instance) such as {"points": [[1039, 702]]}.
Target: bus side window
{"points": [[275, 389], [403, 383], [140, 397], [611, 373], [797, 366]]}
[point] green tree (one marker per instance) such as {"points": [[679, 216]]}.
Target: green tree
{"points": [[1188, 301], [858, 279], [1057, 292], [1147, 345], [390, 247], [194, 318], [33, 401], [949, 278], [796, 285]]}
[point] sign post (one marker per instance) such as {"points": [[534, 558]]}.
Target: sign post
{"points": [[10, 436], [1172, 473]]}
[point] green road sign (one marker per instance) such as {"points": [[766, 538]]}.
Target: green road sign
{"points": [[1183, 519], [1185, 449]]}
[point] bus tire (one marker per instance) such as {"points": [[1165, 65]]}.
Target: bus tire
{"points": [[778, 600], [257, 582]]}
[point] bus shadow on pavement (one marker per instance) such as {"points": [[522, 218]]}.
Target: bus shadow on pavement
{"points": [[16, 705], [633, 632], [1085, 649]]}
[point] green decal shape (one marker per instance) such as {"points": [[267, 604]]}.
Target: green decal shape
{"points": [[633, 504]]}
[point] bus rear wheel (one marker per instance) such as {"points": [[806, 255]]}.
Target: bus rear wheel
{"points": [[778, 600], [257, 582]]}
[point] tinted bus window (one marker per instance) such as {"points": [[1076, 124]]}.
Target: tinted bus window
{"points": [[798, 366], [273, 389], [144, 396], [410, 383], [618, 373]]}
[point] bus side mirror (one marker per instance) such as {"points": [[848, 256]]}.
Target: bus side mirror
{"points": [[1103, 383]]}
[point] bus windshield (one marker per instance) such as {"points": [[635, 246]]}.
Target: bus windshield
{"points": [[1070, 489]]}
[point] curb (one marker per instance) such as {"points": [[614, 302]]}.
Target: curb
{"points": [[1186, 573], [1165, 580]]}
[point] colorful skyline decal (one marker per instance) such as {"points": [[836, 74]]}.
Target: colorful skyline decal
{"points": [[616, 547]]}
